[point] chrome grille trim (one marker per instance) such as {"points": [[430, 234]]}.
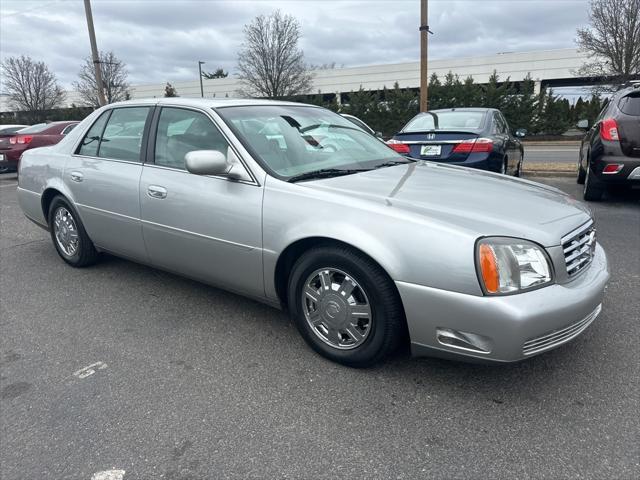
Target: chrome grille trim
{"points": [[578, 248], [557, 337]]}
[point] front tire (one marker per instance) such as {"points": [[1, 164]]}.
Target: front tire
{"points": [[345, 306], [69, 236]]}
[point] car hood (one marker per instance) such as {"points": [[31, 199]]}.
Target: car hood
{"points": [[482, 203]]}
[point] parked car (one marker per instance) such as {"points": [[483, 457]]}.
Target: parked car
{"points": [[362, 245], [470, 137], [610, 150], [7, 131], [10, 129], [356, 121], [39, 135]]}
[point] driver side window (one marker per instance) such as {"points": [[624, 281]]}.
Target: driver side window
{"points": [[181, 131]]}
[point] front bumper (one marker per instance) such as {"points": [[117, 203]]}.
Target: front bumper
{"points": [[508, 328]]}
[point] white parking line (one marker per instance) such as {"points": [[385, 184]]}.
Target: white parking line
{"points": [[108, 475], [10, 185], [89, 370]]}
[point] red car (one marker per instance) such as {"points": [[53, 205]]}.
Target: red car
{"points": [[39, 135]]}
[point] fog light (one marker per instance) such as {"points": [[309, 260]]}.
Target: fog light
{"points": [[463, 340], [612, 168]]}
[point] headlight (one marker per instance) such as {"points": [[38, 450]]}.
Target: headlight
{"points": [[510, 265]]}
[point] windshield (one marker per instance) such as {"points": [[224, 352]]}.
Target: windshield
{"points": [[293, 140], [450, 120], [38, 127]]}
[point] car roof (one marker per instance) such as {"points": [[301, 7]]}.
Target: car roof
{"points": [[464, 109], [207, 102]]}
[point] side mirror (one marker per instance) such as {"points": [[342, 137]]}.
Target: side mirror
{"points": [[378, 134], [521, 132], [583, 124], [207, 162]]}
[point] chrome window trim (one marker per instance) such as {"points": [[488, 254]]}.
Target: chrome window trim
{"points": [[98, 115], [218, 177], [231, 144]]}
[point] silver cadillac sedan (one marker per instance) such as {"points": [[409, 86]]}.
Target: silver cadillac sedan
{"points": [[295, 206]]}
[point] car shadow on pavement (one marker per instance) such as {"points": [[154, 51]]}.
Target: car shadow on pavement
{"points": [[267, 335]]}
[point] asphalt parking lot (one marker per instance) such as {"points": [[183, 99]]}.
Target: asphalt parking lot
{"points": [[191, 382]]}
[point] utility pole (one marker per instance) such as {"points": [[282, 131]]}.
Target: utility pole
{"points": [[200, 63], [424, 44], [94, 53]]}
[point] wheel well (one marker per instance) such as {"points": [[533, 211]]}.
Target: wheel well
{"points": [[291, 254], [47, 197]]}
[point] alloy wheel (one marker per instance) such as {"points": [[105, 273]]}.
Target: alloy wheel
{"points": [[336, 308], [66, 232]]}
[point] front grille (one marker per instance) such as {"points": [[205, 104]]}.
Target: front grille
{"points": [[556, 337], [579, 247]]}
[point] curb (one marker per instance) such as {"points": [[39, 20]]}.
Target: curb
{"points": [[547, 173], [552, 143]]}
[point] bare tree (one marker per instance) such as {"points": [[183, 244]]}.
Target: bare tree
{"points": [[31, 86], [270, 62], [114, 77], [612, 39]]}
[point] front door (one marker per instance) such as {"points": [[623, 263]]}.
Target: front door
{"points": [[208, 228], [103, 176]]}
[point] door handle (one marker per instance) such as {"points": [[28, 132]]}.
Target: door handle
{"points": [[155, 191], [76, 176]]}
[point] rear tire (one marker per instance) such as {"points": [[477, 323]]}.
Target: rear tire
{"points": [[504, 167], [581, 173], [519, 167], [345, 306], [69, 236], [593, 188]]}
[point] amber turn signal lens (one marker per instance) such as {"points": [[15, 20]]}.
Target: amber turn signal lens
{"points": [[489, 269]]}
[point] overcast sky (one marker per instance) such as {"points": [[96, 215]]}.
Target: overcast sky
{"points": [[162, 40]]}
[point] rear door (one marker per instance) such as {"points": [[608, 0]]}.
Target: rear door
{"points": [[103, 176], [205, 227], [511, 145]]}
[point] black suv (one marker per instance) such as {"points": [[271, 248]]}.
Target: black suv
{"points": [[610, 151]]}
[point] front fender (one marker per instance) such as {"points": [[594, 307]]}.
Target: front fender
{"points": [[408, 247]]}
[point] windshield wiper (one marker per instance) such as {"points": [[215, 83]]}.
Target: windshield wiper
{"points": [[328, 125], [391, 163], [324, 173]]}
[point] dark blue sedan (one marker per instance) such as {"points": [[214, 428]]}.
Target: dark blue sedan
{"points": [[470, 137]]}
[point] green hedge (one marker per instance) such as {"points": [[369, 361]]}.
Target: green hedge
{"points": [[389, 110]]}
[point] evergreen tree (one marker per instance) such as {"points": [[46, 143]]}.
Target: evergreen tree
{"points": [[170, 91]]}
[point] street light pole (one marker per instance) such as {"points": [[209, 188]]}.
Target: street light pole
{"points": [[424, 44], [200, 63], [94, 53]]}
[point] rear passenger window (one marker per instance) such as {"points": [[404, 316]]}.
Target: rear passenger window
{"points": [[122, 137], [181, 131], [91, 140], [630, 105]]}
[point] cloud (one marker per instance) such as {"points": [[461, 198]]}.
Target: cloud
{"points": [[162, 40]]}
